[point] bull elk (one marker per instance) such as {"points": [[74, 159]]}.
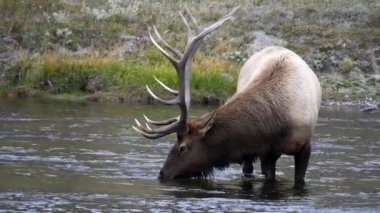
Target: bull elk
{"points": [[273, 112]]}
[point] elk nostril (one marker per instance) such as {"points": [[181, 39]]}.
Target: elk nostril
{"points": [[161, 175]]}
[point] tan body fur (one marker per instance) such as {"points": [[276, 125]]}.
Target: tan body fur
{"points": [[278, 78]]}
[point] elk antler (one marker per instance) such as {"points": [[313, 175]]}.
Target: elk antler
{"points": [[181, 62]]}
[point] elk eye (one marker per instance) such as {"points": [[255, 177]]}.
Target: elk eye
{"points": [[182, 149]]}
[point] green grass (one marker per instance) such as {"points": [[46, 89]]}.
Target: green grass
{"points": [[346, 84], [62, 74]]}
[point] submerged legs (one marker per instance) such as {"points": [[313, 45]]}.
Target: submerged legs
{"points": [[268, 165], [301, 161], [247, 167]]}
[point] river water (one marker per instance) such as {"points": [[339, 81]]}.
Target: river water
{"points": [[62, 157]]}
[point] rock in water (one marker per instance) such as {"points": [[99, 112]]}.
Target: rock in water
{"points": [[369, 108]]}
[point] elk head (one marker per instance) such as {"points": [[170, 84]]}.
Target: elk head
{"points": [[189, 156]]}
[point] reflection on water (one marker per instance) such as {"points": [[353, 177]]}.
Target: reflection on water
{"points": [[57, 156]]}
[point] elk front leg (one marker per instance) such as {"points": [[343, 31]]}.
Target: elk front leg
{"points": [[301, 161], [248, 166], [268, 165]]}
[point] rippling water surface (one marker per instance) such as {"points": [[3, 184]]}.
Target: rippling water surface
{"points": [[57, 156]]}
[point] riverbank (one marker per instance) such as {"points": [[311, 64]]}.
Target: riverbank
{"points": [[333, 94], [100, 50], [106, 79]]}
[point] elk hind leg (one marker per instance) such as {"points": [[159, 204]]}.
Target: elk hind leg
{"points": [[301, 161], [268, 165]]}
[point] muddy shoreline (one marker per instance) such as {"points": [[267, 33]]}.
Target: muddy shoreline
{"points": [[364, 104]]}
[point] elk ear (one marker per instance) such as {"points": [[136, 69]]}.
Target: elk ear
{"points": [[209, 122], [179, 138], [182, 134]]}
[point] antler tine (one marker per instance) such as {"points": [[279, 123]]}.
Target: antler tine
{"points": [[164, 129], [182, 66], [167, 102], [149, 136], [137, 122], [171, 126], [148, 127], [161, 123], [139, 126], [229, 14], [172, 49], [215, 25], [192, 18], [172, 91], [193, 44], [189, 33], [166, 54]]}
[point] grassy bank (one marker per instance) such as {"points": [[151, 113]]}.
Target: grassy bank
{"points": [[109, 79]]}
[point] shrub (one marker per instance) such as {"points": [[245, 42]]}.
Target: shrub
{"points": [[346, 65]]}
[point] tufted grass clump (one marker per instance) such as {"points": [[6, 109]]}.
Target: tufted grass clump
{"points": [[346, 65]]}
